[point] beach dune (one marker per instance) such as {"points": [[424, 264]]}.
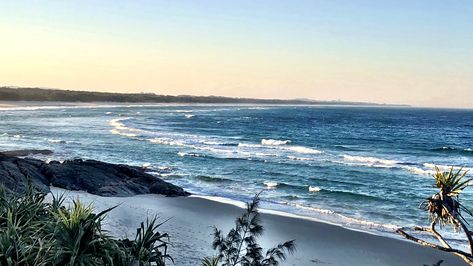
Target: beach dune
{"points": [[191, 221]]}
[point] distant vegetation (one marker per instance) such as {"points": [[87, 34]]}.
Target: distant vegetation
{"points": [[39, 94]]}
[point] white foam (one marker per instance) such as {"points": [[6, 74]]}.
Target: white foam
{"points": [[299, 158], [121, 129], [117, 132], [281, 146], [117, 123], [419, 171], [304, 150], [212, 142], [146, 165], [270, 184], [56, 141], [166, 141], [371, 160], [445, 167], [429, 168], [246, 145], [189, 116], [190, 154], [312, 209], [274, 142], [314, 189], [263, 154]]}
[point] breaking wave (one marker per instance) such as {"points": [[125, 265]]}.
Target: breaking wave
{"points": [[370, 160], [448, 149], [270, 184], [59, 141], [304, 150], [274, 142], [119, 128], [314, 189]]}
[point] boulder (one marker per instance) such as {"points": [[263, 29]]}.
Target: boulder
{"points": [[15, 173], [106, 179], [92, 176]]}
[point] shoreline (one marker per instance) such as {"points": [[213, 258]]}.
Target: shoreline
{"points": [[241, 205], [318, 243]]}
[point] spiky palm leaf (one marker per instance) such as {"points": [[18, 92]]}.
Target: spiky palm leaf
{"points": [[240, 247], [451, 183], [24, 235], [78, 232], [210, 261], [34, 231], [150, 246], [278, 253], [444, 207]]}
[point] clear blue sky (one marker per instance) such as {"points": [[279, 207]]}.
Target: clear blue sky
{"points": [[415, 52]]}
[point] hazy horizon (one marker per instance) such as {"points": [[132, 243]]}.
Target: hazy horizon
{"points": [[416, 53]]}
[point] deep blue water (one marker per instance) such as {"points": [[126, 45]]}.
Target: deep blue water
{"points": [[358, 166]]}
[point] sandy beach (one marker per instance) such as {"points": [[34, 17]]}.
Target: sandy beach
{"points": [[191, 220]]}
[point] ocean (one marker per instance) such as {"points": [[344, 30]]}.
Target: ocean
{"points": [[361, 167]]}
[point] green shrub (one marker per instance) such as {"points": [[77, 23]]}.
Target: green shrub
{"points": [[34, 231], [240, 245]]}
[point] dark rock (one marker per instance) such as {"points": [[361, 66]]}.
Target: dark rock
{"points": [[15, 173], [22, 153], [160, 187], [107, 179], [92, 176]]}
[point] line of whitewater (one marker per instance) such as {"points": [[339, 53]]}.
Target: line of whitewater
{"points": [[196, 142], [343, 221]]}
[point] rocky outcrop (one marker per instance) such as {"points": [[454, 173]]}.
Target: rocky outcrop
{"points": [[92, 176], [14, 173], [21, 153]]}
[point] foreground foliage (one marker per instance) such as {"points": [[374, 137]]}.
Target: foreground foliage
{"points": [[35, 231], [445, 208], [240, 246]]}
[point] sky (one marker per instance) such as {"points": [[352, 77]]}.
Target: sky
{"points": [[410, 52]]}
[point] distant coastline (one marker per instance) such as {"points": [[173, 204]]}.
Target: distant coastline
{"points": [[15, 94]]}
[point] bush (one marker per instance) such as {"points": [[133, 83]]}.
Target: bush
{"points": [[34, 231], [240, 245]]}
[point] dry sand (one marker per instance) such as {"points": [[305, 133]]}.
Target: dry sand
{"points": [[192, 218]]}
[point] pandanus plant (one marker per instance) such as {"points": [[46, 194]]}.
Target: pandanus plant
{"points": [[445, 208], [37, 231], [240, 246]]}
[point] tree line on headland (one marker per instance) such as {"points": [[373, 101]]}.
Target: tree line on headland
{"points": [[55, 95]]}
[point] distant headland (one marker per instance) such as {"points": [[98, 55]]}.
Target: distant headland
{"points": [[8, 93]]}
